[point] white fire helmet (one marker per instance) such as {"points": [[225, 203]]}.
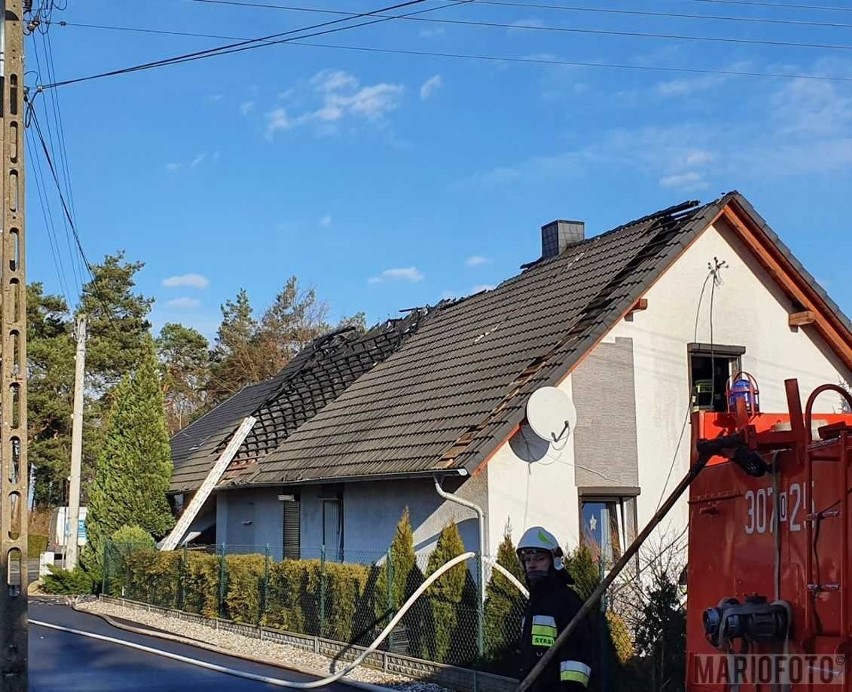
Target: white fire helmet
{"points": [[538, 538]]}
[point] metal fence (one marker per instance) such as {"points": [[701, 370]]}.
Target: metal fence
{"points": [[351, 601]]}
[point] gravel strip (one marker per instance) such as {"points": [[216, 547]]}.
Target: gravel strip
{"points": [[272, 652]]}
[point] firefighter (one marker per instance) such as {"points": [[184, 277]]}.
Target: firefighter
{"points": [[551, 606]]}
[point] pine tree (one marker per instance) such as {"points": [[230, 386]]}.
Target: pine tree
{"points": [[50, 359], [117, 321], [446, 594], [134, 464], [504, 608], [403, 559], [185, 363]]}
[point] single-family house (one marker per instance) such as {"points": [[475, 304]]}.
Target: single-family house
{"points": [[639, 326]]}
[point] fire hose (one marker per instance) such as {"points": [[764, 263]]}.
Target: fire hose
{"points": [[314, 683], [706, 450]]}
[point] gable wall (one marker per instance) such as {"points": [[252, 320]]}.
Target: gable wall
{"points": [[749, 310], [630, 427]]}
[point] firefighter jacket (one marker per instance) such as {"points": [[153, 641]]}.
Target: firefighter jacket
{"points": [[551, 606]]}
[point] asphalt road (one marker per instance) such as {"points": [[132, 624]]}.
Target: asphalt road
{"points": [[65, 661]]}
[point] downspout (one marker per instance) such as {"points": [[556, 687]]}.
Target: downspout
{"points": [[480, 629]]}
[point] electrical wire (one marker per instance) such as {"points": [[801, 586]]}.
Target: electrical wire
{"points": [[32, 118], [47, 215], [776, 5], [488, 58], [58, 142], [664, 15], [546, 28], [260, 42], [689, 406]]}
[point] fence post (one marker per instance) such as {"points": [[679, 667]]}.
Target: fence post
{"points": [[222, 577], [184, 569], [322, 593], [105, 578], [480, 628], [391, 605], [604, 664], [264, 600]]}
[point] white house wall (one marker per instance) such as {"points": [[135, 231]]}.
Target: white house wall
{"points": [[372, 510], [749, 310], [531, 483], [250, 519]]}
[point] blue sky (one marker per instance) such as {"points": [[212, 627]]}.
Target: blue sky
{"points": [[387, 181]]}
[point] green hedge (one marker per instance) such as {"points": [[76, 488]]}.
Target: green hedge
{"points": [[36, 544]]}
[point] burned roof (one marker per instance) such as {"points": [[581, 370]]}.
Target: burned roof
{"points": [[452, 385], [315, 377], [454, 391]]}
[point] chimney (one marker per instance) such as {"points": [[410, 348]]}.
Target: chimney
{"points": [[558, 235]]}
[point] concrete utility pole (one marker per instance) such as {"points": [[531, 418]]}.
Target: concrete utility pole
{"points": [[73, 518], [13, 361]]}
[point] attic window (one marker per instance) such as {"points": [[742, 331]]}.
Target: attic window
{"points": [[710, 367]]}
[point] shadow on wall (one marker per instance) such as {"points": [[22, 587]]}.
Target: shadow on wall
{"points": [[528, 446], [427, 545]]}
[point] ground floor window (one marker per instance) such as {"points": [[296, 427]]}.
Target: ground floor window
{"points": [[608, 524]]}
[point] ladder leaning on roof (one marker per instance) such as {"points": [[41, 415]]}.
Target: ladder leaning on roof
{"points": [[200, 497]]}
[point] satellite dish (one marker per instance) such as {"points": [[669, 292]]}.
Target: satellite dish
{"points": [[551, 414]]}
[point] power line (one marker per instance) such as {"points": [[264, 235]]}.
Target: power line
{"points": [[664, 15], [260, 42], [68, 216], [551, 29], [777, 5], [33, 118], [499, 58]]}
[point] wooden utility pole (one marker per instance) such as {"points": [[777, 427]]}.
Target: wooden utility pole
{"points": [[13, 361], [73, 516]]}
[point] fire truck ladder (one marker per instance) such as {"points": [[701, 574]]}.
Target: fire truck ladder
{"points": [[818, 452], [200, 497]]}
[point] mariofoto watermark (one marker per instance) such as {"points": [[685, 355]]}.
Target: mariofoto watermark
{"points": [[768, 669]]}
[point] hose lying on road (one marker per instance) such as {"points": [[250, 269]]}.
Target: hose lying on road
{"points": [[277, 681]]}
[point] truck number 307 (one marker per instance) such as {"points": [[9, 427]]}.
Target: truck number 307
{"points": [[760, 514]]}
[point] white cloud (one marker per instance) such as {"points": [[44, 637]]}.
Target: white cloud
{"points": [[430, 86], [526, 24], [431, 32], [482, 287], [810, 108], [689, 86], [339, 96], [685, 181], [183, 303], [325, 221], [196, 161], [400, 274], [193, 280], [215, 97], [247, 107], [476, 261]]}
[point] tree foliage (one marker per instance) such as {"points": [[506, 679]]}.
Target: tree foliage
{"points": [[134, 463], [504, 609], [185, 364], [50, 390], [446, 596], [250, 348], [117, 321]]}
